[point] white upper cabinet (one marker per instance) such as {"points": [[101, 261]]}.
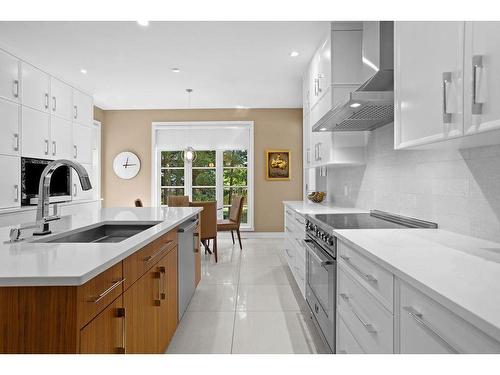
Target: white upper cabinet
{"points": [[61, 98], [11, 178], [35, 140], [61, 138], [82, 143], [9, 128], [9, 77], [482, 76], [428, 82], [83, 108], [35, 88]]}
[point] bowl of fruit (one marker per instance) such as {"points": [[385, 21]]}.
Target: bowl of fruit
{"points": [[316, 196]]}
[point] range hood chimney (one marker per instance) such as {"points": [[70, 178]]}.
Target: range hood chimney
{"points": [[372, 104]]}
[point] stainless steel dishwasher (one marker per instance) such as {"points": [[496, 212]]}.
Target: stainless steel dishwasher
{"points": [[186, 263]]}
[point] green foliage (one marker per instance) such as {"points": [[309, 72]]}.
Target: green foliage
{"points": [[235, 158], [171, 159], [172, 177], [204, 159], [203, 194], [203, 177]]}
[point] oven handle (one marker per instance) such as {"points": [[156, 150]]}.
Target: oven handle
{"points": [[324, 261]]}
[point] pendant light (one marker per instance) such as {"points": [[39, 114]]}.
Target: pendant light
{"points": [[189, 152]]}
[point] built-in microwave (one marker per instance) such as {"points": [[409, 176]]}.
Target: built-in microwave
{"points": [[31, 171]]}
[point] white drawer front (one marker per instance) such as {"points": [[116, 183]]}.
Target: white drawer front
{"points": [[428, 327], [289, 252], [373, 277], [346, 343], [369, 322]]}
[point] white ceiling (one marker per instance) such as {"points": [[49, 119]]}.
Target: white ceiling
{"points": [[227, 64]]}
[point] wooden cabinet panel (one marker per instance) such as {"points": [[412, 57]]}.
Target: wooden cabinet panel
{"points": [[168, 313], [142, 304], [142, 260], [105, 333], [97, 293]]}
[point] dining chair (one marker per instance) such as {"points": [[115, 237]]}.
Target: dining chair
{"points": [[178, 201], [233, 223], [208, 225], [138, 202]]}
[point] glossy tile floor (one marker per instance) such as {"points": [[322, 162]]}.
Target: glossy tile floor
{"points": [[246, 303]]}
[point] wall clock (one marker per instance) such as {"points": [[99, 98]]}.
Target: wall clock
{"points": [[126, 165]]}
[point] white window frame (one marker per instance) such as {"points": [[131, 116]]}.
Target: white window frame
{"points": [[193, 125]]}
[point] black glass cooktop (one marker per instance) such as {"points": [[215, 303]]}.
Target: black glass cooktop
{"points": [[356, 221]]}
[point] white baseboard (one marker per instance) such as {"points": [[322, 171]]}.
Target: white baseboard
{"points": [[252, 235]]}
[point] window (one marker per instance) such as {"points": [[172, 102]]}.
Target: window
{"points": [[222, 169], [172, 174], [235, 180], [204, 177]]}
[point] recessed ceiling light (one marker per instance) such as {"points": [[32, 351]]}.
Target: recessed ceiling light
{"points": [[143, 23], [294, 54], [83, 71], [355, 105], [176, 70]]}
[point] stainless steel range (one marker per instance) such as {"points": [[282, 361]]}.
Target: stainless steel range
{"points": [[321, 267]]}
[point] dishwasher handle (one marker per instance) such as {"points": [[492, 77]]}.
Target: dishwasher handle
{"points": [[187, 229]]}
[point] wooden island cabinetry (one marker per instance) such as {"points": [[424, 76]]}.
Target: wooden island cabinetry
{"points": [[129, 308]]}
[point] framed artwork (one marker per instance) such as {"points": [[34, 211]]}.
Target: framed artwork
{"points": [[278, 165]]}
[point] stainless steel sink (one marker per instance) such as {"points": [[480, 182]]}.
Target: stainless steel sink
{"points": [[107, 232]]}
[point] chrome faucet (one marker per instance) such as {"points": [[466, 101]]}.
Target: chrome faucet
{"points": [[42, 213]]}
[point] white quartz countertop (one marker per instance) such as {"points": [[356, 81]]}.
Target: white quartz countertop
{"points": [[310, 208], [460, 272], [26, 263]]}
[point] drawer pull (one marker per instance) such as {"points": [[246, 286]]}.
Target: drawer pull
{"points": [[368, 326], [366, 276], [157, 275], [107, 291], [288, 253], [418, 317], [287, 229], [163, 279], [162, 249]]}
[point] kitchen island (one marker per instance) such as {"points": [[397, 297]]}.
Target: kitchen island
{"points": [[74, 297]]}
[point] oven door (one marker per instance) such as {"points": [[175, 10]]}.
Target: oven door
{"points": [[320, 289]]}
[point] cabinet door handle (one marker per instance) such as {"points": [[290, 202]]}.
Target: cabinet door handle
{"points": [[16, 193], [120, 313], [75, 112], [157, 275], [319, 151], [75, 190], [15, 88], [46, 100], [16, 141], [54, 150], [366, 276], [308, 155], [75, 153], [115, 285], [46, 147], [163, 274], [477, 70], [54, 103], [368, 326], [418, 317], [196, 242], [319, 83], [446, 83]]}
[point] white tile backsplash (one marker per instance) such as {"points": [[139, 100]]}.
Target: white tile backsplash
{"points": [[458, 189]]}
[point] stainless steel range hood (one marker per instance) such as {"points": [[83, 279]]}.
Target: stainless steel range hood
{"points": [[372, 104]]}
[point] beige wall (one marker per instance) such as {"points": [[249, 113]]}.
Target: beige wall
{"points": [[273, 129]]}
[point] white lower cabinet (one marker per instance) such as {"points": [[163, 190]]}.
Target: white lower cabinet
{"points": [[428, 327], [35, 138], [10, 189], [368, 321], [294, 251], [346, 343], [9, 129], [82, 143]]}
